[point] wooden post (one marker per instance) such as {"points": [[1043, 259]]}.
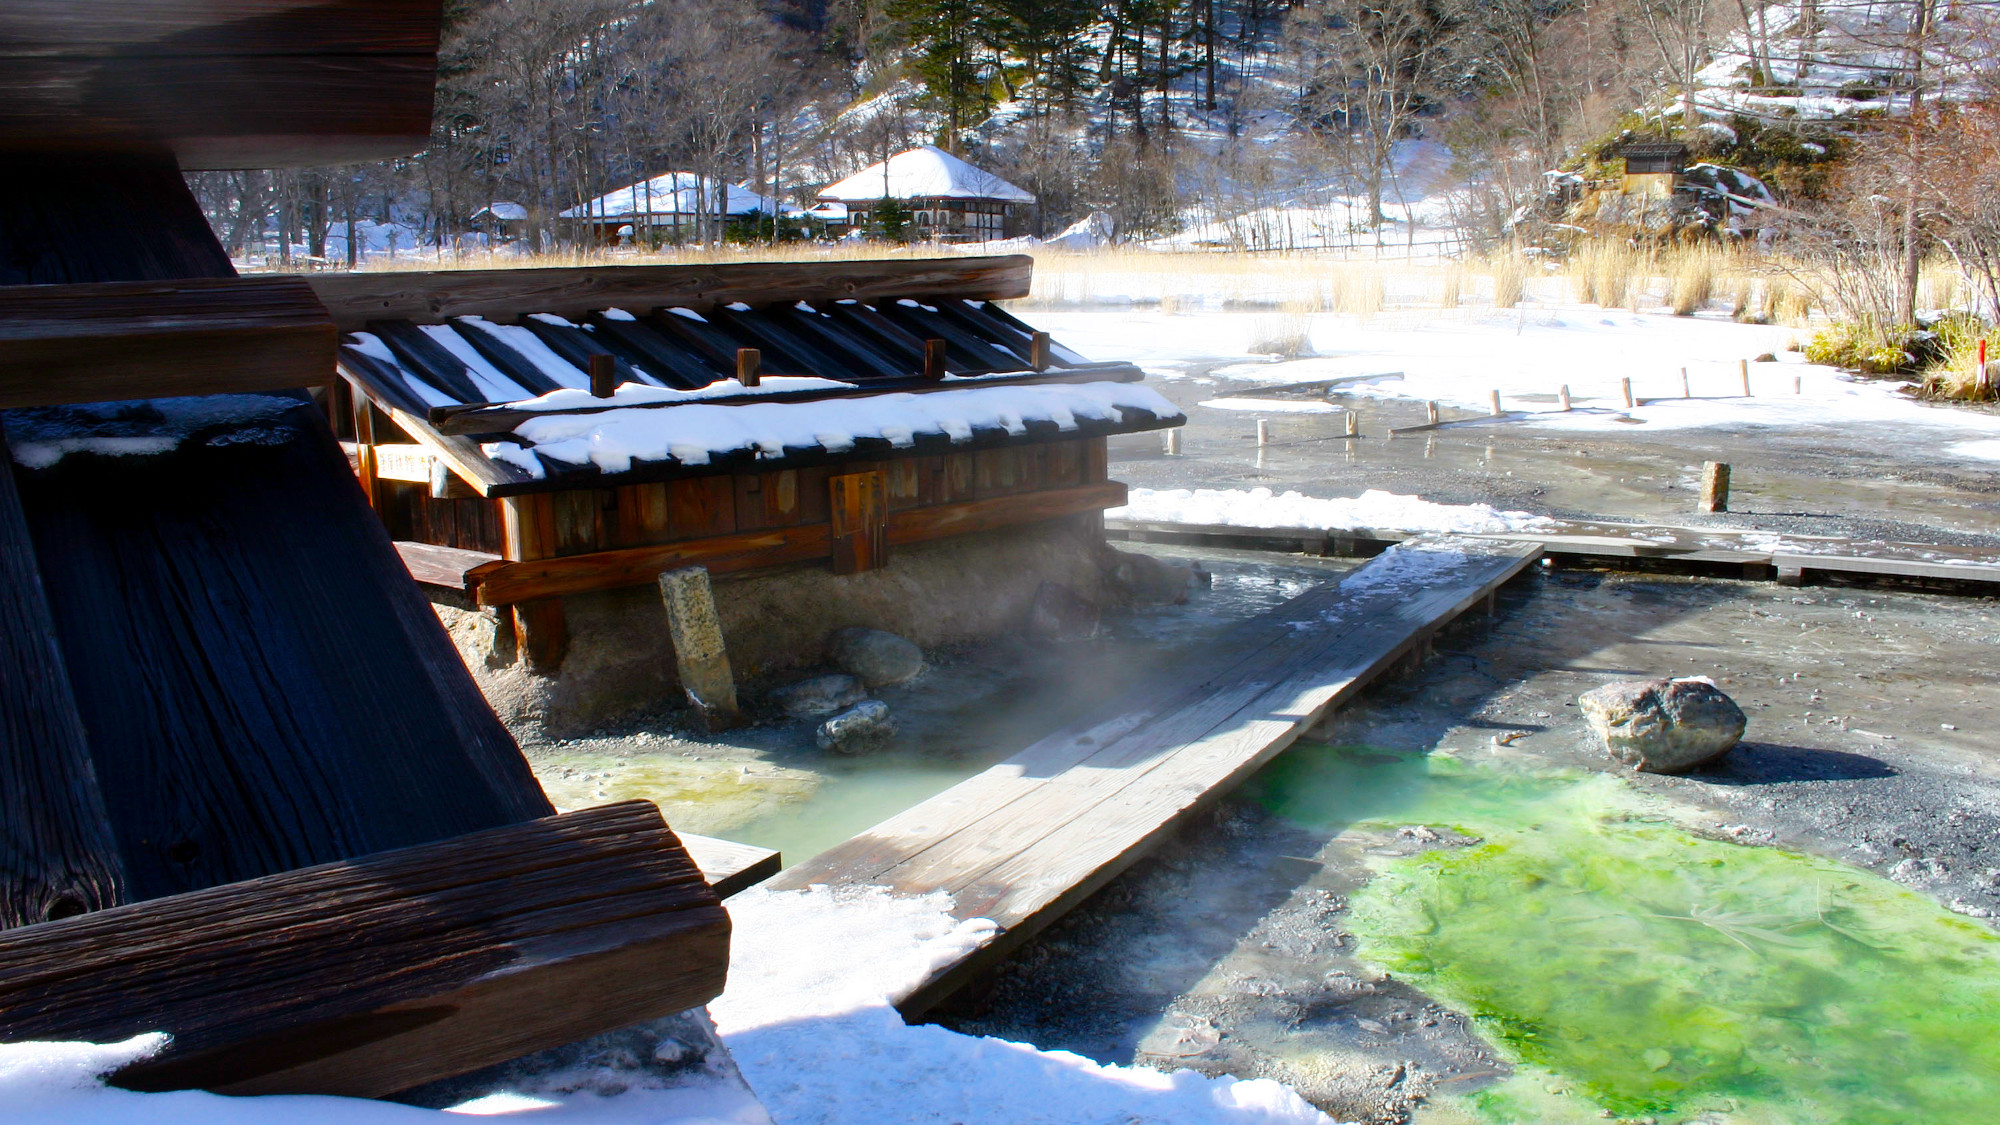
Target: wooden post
{"points": [[1038, 351], [858, 512], [1174, 442], [1714, 486], [1562, 396], [364, 448], [541, 634], [1353, 424], [934, 352], [1496, 404], [699, 652], [1625, 388], [749, 366], [1798, 384], [1981, 378], [1430, 413], [1263, 431], [1744, 366], [1685, 392], [603, 375]]}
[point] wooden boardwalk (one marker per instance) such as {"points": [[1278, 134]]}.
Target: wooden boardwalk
{"points": [[1790, 559], [1033, 836]]}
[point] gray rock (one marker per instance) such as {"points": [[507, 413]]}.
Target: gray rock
{"points": [[1059, 614], [865, 726], [820, 695], [1145, 580], [1663, 726], [877, 657]]}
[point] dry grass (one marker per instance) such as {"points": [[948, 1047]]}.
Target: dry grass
{"points": [[1694, 277], [1509, 275]]}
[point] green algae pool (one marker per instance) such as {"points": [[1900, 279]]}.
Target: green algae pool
{"points": [[1634, 969]]}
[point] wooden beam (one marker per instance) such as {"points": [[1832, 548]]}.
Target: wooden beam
{"points": [[541, 633], [449, 567], [121, 340], [464, 456], [512, 582], [575, 292], [58, 856], [728, 866], [859, 523], [372, 975]]}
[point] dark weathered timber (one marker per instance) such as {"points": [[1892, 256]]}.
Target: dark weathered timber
{"points": [[786, 348], [968, 354], [1062, 355], [375, 974], [242, 111], [576, 292], [866, 360], [675, 366], [579, 350], [510, 363], [1030, 838], [447, 567], [261, 684], [101, 218], [102, 343], [67, 28], [484, 419], [57, 855]]}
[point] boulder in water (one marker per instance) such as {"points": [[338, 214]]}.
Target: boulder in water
{"points": [[820, 695], [865, 726], [877, 657], [1663, 726]]}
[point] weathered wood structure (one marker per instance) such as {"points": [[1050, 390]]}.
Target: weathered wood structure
{"points": [[243, 772], [813, 366]]}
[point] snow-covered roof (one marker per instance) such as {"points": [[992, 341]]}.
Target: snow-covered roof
{"points": [[925, 172], [674, 193], [502, 209]]}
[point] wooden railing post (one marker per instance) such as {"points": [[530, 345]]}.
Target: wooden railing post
{"points": [[541, 635]]}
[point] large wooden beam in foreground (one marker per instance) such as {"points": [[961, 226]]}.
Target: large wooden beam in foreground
{"points": [[120, 340], [574, 292], [373, 975]]}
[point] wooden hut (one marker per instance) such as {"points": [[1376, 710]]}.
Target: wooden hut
{"points": [[249, 794], [531, 435], [944, 197]]}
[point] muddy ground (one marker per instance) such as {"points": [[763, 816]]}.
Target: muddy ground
{"points": [[1226, 951]]}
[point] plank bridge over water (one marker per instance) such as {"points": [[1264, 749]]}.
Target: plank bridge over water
{"points": [[1033, 836]]}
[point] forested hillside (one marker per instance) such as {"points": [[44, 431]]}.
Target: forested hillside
{"points": [[1169, 115]]}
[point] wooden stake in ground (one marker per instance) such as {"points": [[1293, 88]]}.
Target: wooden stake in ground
{"points": [[1744, 365], [1353, 424], [698, 647], [1562, 396], [1714, 486], [1431, 413], [1685, 392], [1496, 404], [1798, 385], [1625, 388], [1263, 431], [1173, 443]]}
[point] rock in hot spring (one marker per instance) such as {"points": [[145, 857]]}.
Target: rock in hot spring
{"points": [[1663, 726]]}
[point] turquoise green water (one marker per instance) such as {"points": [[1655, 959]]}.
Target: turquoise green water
{"points": [[1634, 969]]}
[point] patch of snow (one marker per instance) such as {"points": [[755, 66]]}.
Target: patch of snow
{"points": [[637, 394], [675, 194], [696, 433], [1274, 405], [42, 436], [808, 1019], [515, 454], [618, 314], [529, 347], [1373, 509], [496, 386], [1987, 449], [689, 314]]}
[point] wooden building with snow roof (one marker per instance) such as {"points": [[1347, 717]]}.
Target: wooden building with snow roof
{"points": [[532, 435], [947, 199]]}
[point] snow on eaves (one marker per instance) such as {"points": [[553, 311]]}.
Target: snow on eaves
{"points": [[925, 172], [675, 193], [698, 433]]}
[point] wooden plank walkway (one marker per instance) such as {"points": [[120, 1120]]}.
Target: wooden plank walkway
{"points": [[1033, 836], [1791, 559], [729, 866]]}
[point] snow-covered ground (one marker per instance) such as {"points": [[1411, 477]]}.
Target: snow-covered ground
{"points": [[1458, 357], [808, 1019], [1376, 509]]}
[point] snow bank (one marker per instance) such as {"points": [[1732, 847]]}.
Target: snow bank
{"points": [[42, 436], [808, 1018], [1259, 507], [695, 434]]}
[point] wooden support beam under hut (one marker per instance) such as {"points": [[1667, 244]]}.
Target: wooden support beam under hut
{"points": [[249, 793], [888, 403]]}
